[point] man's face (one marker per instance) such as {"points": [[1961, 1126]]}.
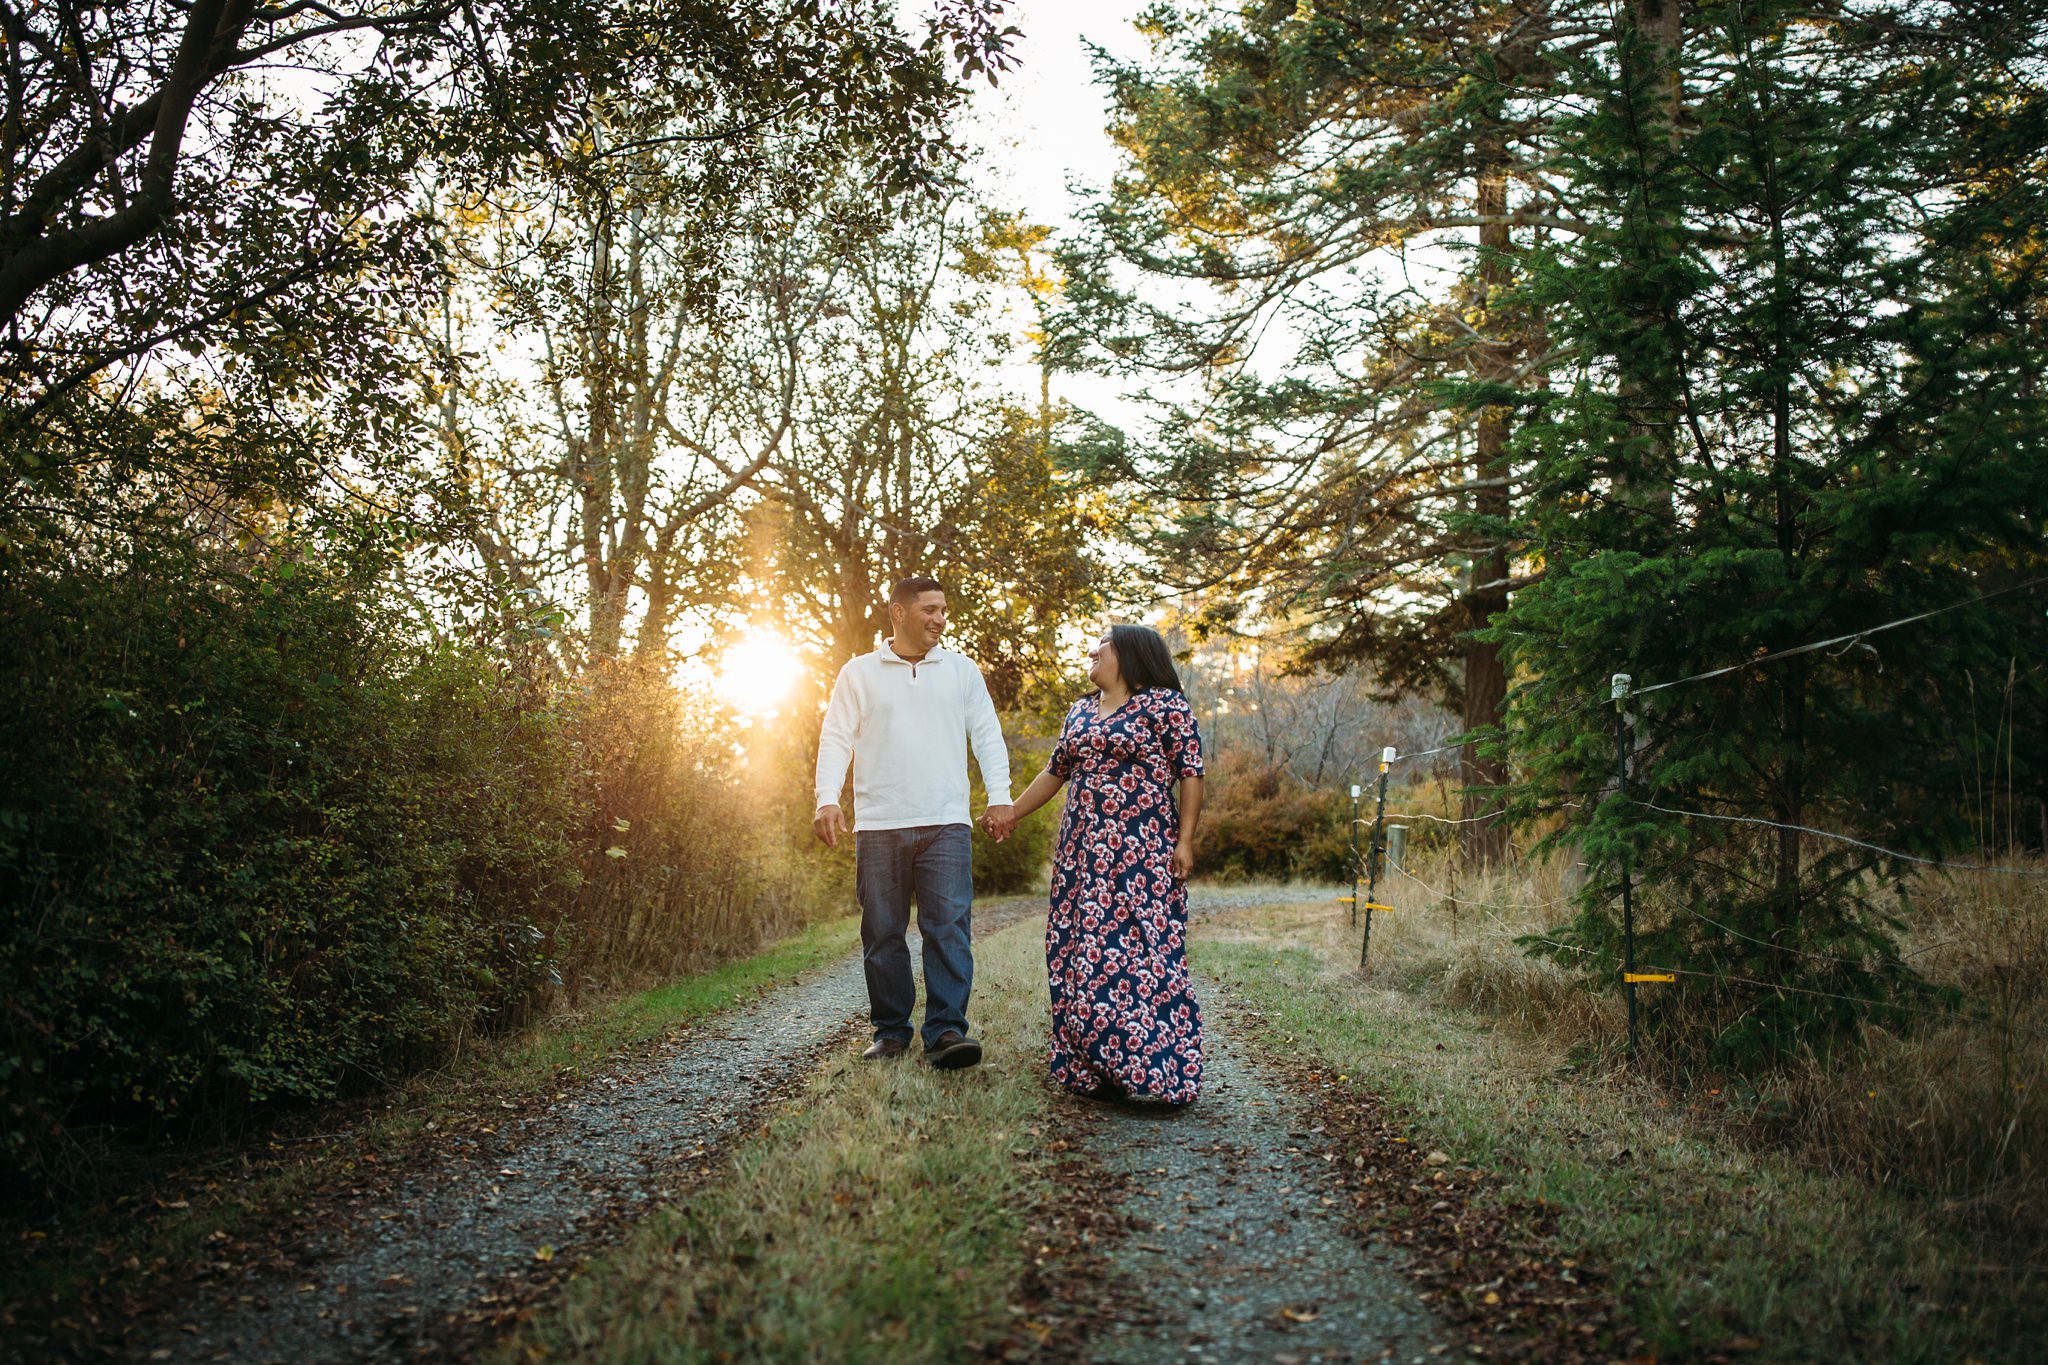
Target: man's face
{"points": [[920, 624]]}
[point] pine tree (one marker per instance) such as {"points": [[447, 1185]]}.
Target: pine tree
{"points": [[1304, 162], [1804, 401]]}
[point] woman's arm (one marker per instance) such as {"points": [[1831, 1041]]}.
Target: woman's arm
{"points": [[1190, 820], [1037, 794]]}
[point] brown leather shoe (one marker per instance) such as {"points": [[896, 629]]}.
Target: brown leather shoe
{"points": [[952, 1050], [884, 1048]]}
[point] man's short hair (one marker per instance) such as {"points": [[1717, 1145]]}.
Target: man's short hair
{"points": [[909, 590]]}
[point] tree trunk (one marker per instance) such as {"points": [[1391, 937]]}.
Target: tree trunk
{"points": [[1653, 95], [1484, 838]]}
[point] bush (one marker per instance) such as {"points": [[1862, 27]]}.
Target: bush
{"points": [[1259, 822], [1022, 862], [252, 844], [260, 842], [683, 861]]}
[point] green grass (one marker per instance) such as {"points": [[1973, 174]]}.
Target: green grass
{"points": [[531, 1061], [473, 1090], [1710, 1240], [879, 1217]]}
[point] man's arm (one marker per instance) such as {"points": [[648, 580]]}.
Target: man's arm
{"points": [[835, 752], [991, 753]]}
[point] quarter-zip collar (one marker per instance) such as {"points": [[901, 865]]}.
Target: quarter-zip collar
{"points": [[890, 656]]}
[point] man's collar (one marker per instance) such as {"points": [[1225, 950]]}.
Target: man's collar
{"points": [[890, 656]]}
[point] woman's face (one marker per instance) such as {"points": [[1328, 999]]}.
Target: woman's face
{"points": [[1102, 665]]}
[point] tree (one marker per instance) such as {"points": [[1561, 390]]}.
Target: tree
{"points": [[903, 457], [661, 345], [1830, 285], [1297, 160], [214, 205]]}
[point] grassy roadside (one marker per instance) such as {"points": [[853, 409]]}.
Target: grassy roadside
{"points": [[878, 1217], [119, 1243], [1714, 1245]]}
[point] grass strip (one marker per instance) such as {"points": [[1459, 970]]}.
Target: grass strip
{"points": [[1713, 1245], [205, 1200], [880, 1216]]}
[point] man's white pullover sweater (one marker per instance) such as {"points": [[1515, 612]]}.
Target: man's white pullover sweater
{"points": [[906, 727]]}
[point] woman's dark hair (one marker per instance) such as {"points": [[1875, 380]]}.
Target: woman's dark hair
{"points": [[1143, 658]]}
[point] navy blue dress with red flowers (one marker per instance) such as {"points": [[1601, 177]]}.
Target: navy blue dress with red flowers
{"points": [[1116, 935]]}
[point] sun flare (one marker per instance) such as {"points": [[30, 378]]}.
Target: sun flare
{"points": [[756, 673]]}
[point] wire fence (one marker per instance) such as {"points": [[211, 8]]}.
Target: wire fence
{"points": [[1622, 692], [1726, 978]]}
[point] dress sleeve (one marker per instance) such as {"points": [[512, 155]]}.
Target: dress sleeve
{"points": [[1064, 757], [1179, 737]]}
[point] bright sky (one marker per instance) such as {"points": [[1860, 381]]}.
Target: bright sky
{"points": [[1041, 130], [1043, 125]]}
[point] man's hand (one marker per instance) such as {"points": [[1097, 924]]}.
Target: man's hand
{"points": [[999, 821], [829, 824]]}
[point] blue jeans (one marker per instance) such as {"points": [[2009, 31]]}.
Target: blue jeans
{"points": [[934, 863]]}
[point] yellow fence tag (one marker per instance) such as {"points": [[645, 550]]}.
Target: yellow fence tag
{"points": [[1648, 976]]}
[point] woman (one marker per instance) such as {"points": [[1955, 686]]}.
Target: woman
{"points": [[1124, 1018]]}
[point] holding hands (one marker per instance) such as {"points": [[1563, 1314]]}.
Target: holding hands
{"points": [[999, 822]]}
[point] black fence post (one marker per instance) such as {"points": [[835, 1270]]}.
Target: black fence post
{"points": [[1619, 692], [1372, 856]]}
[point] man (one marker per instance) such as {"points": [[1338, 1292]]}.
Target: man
{"points": [[905, 715]]}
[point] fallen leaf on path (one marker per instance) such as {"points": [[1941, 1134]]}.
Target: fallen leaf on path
{"points": [[1300, 1314]]}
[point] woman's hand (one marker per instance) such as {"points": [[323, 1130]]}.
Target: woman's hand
{"points": [[1184, 859]]}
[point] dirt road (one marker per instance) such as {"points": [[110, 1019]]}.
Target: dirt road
{"points": [[1234, 1241]]}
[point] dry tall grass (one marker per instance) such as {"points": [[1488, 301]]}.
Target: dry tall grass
{"points": [[1953, 1109]]}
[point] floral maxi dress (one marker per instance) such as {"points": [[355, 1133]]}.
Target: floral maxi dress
{"points": [[1116, 933]]}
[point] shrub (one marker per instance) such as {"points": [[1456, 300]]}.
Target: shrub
{"points": [[683, 861], [253, 843], [261, 842], [1022, 862], [1260, 822]]}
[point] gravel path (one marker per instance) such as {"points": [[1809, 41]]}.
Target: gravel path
{"points": [[383, 1281], [1237, 1233], [376, 1285]]}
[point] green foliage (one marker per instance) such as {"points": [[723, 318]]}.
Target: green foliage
{"points": [[253, 845], [1021, 862], [260, 842], [1807, 402]]}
